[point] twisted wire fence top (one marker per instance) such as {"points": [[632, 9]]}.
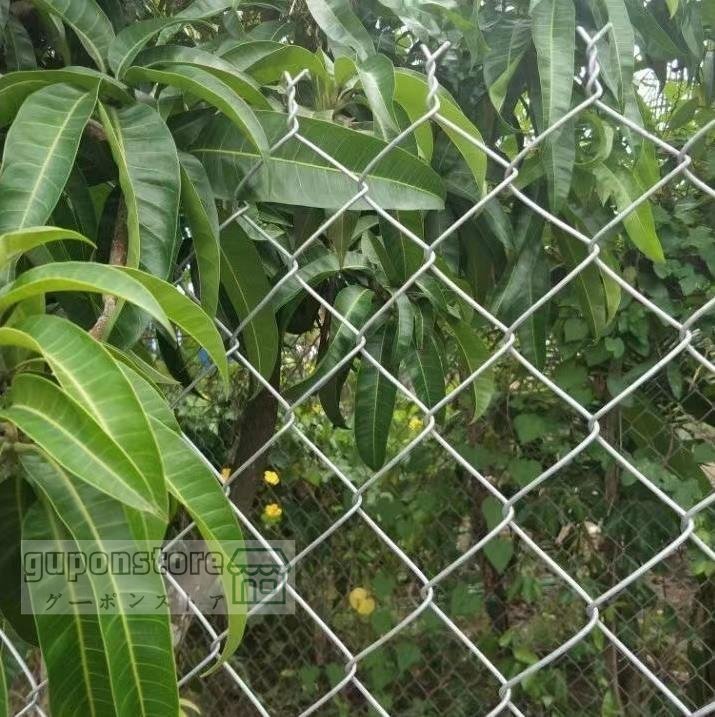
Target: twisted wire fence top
{"points": [[506, 687]]}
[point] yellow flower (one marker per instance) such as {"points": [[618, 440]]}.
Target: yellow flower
{"points": [[415, 424], [271, 477], [225, 473], [361, 601], [273, 511]]}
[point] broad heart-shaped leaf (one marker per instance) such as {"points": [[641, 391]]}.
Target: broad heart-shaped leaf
{"points": [[137, 647], [148, 164], [241, 83], [39, 152], [638, 223], [193, 483], [523, 284], [353, 303], [554, 34], [82, 276], [72, 437], [88, 21], [266, 61], [338, 21], [186, 314], [508, 42], [16, 498], [244, 285], [12, 244], [89, 374], [411, 92], [295, 174], [473, 353], [426, 371], [200, 211], [375, 399], [71, 642]]}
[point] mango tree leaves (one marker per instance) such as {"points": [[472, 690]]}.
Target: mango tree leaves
{"points": [[554, 35], [12, 244], [377, 76], [426, 371], [203, 84], [266, 61], [19, 50], [132, 641], [295, 174], [39, 152], [508, 42], [192, 482], [411, 92], [375, 398], [244, 285], [200, 210], [89, 22], [148, 165], [71, 642], [338, 21]]}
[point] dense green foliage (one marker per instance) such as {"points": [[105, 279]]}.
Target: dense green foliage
{"points": [[132, 131]]}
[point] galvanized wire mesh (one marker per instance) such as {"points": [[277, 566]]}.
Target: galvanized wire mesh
{"points": [[429, 653]]}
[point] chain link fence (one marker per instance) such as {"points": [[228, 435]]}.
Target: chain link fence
{"points": [[528, 609]]}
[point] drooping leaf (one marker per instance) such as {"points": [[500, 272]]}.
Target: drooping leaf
{"points": [[89, 23], [411, 92], [244, 283], [19, 50], [294, 174], [82, 276], [39, 152], [12, 244], [405, 255], [353, 303], [405, 324], [266, 61], [338, 21], [71, 642], [554, 35], [193, 483], [137, 646], [375, 399], [186, 314], [377, 76], [341, 233], [208, 87], [71, 436], [200, 210], [151, 400], [148, 165], [508, 42], [473, 353], [426, 372]]}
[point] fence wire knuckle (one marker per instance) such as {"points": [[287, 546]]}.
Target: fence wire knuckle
{"points": [[507, 689]]}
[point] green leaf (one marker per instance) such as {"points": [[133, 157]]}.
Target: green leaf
{"points": [[405, 324], [19, 50], [89, 23], [148, 164], [473, 353], [39, 152], [618, 62], [89, 374], [426, 372], [338, 21], [411, 92], [375, 400], [13, 244], [82, 276], [508, 42], [71, 642], [193, 483], [200, 83], [554, 35], [69, 434], [294, 174], [354, 303], [241, 83], [200, 210], [151, 400], [244, 283], [266, 61], [498, 550], [405, 256], [377, 76], [200, 9], [186, 314], [137, 647], [341, 234], [16, 498], [638, 223]]}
